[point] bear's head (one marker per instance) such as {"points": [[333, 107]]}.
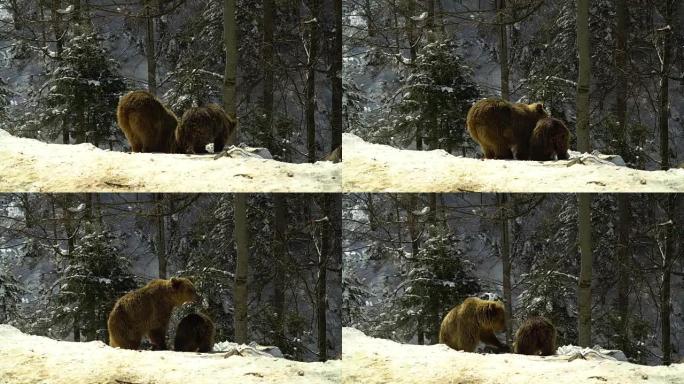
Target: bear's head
{"points": [[493, 315], [183, 290], [538, 109]]}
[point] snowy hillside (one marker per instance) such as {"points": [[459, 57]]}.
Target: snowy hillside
{"points": [[381, 168], [369, 360], [26, 359], [28, 165]]}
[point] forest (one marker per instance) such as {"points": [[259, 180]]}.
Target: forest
{"points": [[409, 258], [66, 258], [613, 74], [276, 65]]}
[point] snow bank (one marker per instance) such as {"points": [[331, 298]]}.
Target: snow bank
{"points": [[26, 359], [381, 168], [369, 360], [28, 165]]}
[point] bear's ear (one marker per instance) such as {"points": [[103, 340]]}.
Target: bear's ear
{"points": [[175, 282], [540, 108]]}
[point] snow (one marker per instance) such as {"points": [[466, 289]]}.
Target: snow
{"points": [[380, 168], [28, 165], [370, 360], [26, 359]]}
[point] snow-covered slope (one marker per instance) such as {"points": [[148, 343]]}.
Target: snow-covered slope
{"points": [[28, 165], [369, 360], [381, 168], [26, 359]]}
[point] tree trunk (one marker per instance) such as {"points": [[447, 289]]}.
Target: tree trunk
{"points": [[279, 256], [586, 267], [240, 290], [267, 59], [56, 19], [310, 112], [503, 49], [624, 208], [583, 143], [321, 281], [161, 234], [336, 79], [230, 46], [664, 108], [150, 47], [506, 266], [665, 290]]}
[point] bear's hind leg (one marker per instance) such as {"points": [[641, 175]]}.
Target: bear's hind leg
{"points": [[158, 338]]}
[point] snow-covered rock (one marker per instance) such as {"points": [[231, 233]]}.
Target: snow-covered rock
{"points": [[26, 359], [370, 360], [381, 168], [28, 165]]}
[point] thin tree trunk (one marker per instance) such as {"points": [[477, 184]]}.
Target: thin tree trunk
{"points": [[279, 255], [583, 143], [161, 234], [665, 290], [624, 208], [150, 48], [336, 79], [230, 46], [267, 59], [321, 281], [310, 111], [503, 50], [506, 266], [241, 265], [56, 19], [586, 268], [664, 108]]}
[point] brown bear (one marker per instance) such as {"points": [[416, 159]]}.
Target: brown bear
{"points": [[536, 336], [550, 138], [195, 334], [148, 125], [473, 321], [146, 311], [200, 126], [503, 129]]}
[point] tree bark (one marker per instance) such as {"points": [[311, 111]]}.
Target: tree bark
{"points": [[503, 49], [583, 143], [56, 19], [161, 234], [336, 122], [621, 34], [664, 108], [150, 47], [230, 46], [506, 266], [665, 290], [267, 60], [241, 265], [586, 268], [321, 281], [310, 108], [279, 256]]}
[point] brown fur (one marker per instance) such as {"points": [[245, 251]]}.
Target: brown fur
{"points": [[473, 321], [195, 334], [146, 311], [550, 138], [148, 125], [503, 129], [536, 336], [200, 126]]}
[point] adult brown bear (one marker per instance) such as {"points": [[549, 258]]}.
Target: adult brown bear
{"points": [[149, 126], [536, 336], [473, 321], [503, 129], [146, 311], [195, 333], [200, 126]]}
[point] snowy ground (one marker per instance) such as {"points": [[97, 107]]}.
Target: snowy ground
{"points": [[26, 359], [28, 165], [381, 168], [369, 361]]}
